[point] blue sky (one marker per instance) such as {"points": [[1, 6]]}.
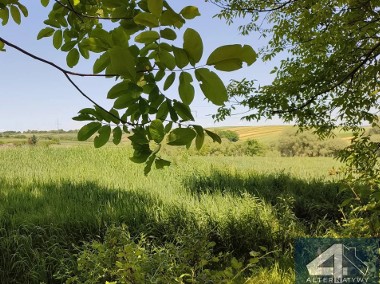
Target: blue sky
{"points": [[36, 96]]}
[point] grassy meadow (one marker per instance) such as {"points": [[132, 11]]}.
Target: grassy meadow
{"points": [[56, 201]]}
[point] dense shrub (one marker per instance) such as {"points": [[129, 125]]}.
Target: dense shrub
{"points": [[33, 140], [229, 134], [122, 259], [227, 148], [307, 144]]}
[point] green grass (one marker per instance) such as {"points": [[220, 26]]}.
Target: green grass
{"points": [[53, 199]]}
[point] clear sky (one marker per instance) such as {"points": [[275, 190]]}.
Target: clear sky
{"points": [[36, 96]]}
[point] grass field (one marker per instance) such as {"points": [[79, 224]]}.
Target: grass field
{"points": [[264, 134], [54, 199]]}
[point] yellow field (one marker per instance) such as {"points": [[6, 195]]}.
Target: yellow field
{"points": [[272, 132]]}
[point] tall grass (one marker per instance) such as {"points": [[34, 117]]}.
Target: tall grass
{"points": [[53, 199]]}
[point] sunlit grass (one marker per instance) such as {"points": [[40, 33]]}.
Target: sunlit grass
{"points": [[54, 198]]}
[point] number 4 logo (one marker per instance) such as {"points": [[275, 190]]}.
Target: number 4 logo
{"points": [[340, 254]]}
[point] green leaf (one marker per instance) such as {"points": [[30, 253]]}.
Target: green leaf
{"points": [[162, 111], [215, 137], [181, 57], [46, 32], [138, 137], [193, 45], [199, 140], [45, 3], [148, 164], [167, 59], [23, 9], [72, 58], [141, 153], [88, 130], [106, 115], [147, 37], [172, 112], [16, 15], [69, 45], [83, 117], [126, 93], [117, 133], [169, 81], [101, 63], [103, 137], [146, 19], [168, 34], [93, 44], [159, 75], [190, 12], [157, 130], [2, 45], [57, 39], [183, 111], [212, 86], [155, 7], [231, 57], [185, 88], [83, 51], [171, 18], [4, 15], [181, 136], [161, 163], [168, 126], [123, 62], [248, 55]]}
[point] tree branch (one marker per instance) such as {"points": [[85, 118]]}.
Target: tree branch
{"points": [[67, 75], [337, 84], [53, 64], [251, 10], [80, 15]]}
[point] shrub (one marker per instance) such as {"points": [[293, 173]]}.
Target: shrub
{"points": [[188, 259], [33, 140], [229, 134], [307, 144]]}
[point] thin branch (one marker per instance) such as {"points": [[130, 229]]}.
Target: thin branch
{"points": [[67, 75], [337, 84], [251, 10], [80, 15], [53, 64]]}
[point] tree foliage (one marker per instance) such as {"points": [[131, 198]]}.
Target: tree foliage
{"points": [[330, 74], [329, 78], [139, 47]]}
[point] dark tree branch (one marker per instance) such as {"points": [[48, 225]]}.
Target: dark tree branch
{"points": [[53, 64], [252, 10], [67, 75], [81, 15], [337, 84]]}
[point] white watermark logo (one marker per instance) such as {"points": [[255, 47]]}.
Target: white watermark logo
{"points": [[337, 264]]}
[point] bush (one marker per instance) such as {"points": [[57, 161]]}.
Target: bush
{"points": [[306, 144], [229, 134], [227, 148], [189, 259], [33, 140]]}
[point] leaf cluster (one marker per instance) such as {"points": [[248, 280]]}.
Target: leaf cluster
{"points": [[139, 48]]}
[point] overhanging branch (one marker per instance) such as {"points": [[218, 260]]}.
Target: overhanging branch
{"points": [[81, 15], [349, 75], [67, 75]]}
